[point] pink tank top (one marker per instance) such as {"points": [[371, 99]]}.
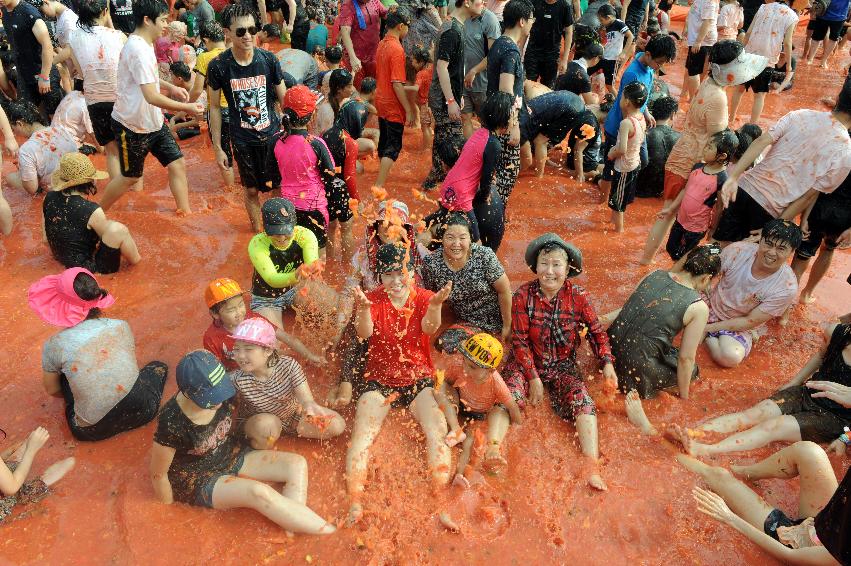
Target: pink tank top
{"points": [[630, 160]]}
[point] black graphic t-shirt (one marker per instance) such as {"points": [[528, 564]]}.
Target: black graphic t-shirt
{"points": [[250, 92], [26, 49], [121, 12]]}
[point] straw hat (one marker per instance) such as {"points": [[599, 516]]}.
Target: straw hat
{"points": [[75, 169]]}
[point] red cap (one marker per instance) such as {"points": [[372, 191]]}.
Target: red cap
{"points": [[300, 100]]}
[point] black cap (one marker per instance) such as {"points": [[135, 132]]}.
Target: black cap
{"points": [[574, 256], [278, 217], [203, 379], [391, 257]]}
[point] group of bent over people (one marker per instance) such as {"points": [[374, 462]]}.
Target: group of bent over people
{"points": [[238, 395]]}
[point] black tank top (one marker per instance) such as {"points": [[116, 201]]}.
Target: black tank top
{"points": [[66, 219], [834, 369]]}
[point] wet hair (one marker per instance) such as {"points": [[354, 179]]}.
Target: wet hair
{"points": [[151, 9], [745, 142], [88, 11], [333, 54], [213, 31], [180, 70], [725, 51], [85, 188], [337, 81], [592, 50], [662, 47], [396, 18], [606, 11], [367, 85], [551, 247], [515, 11], [635, 93], [653, 27], [779, 231], [421, 55], [835, 347], [458, 219], [751, 130], [23, 111], [664, 107], [290, 121], [726, 141], [272, 30], [607, 102], [241, 9], [704, 260], [87, 288], [496, 111]]}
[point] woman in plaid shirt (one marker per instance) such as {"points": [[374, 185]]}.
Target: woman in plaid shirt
{"points": [[550, 315]]}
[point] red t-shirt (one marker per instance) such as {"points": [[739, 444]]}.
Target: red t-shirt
{"points": [[218, 341], [399, 350], [363, 40], [389, 68], [424, 77]]}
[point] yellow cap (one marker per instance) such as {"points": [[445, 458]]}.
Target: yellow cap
{"points": [[221, 290], [483, 349]]}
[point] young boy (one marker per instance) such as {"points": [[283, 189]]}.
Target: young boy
{"points": [[626, 152], [180, 125], [660, 141], [618, 46], [137, 117], [481, 391], [224, 298], [421, 62], [333, 57], [584, 157], [695, 203], [367, 95], [391, 102]]}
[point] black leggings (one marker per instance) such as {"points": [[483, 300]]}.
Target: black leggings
{"points": [[137, 408], [490, 215]]}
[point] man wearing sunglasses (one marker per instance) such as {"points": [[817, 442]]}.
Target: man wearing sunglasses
{"points": [[251, 80]]}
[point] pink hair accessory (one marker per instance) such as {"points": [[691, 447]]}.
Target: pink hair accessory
{"points": [[53, 299]]}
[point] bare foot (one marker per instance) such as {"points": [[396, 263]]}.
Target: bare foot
{"points": [[460, 481], [636, 415], [57, 471], [494, 462], [806, 298], [645, 261], [355, 514], [446, 520], [784, 320], [327, 529], [680, 435], [741, 471], [596, 481]]}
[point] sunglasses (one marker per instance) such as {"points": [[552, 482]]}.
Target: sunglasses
{"points": [[242, 31]]}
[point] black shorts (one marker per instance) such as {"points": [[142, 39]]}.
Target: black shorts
{"points": [[258, 168], [100, 114], [742, 217], [314, 221], [817, 424], [608, 164], [389, 138], [681, 241], [465, 415], [133, 148], [338, 201], [776, 519], [820, 29], [761, 82], [106, 260], [696, 61], [402, 396], [608, 68], [541, 65], [827, 220], [622, 192]]}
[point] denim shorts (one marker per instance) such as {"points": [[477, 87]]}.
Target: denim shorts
{"points": [[204, 493], [282, 301]]}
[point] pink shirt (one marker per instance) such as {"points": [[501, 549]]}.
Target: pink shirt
{"points": [[481, 397], [461, 183], [365, 41], [301, 181], [695, 214], [630, 160], [811, 150]]}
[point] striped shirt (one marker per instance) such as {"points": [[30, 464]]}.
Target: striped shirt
{"points": [[275, 395]]}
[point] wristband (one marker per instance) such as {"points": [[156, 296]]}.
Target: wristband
{"points": [[450, 101], [844, 437], [43, 79]]}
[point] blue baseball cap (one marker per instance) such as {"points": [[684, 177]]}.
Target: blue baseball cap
{"points": [[203, 379]]}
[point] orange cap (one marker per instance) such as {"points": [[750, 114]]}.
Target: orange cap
{"points": [[221, 290]]}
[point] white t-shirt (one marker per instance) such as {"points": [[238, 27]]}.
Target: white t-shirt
{"points": [[97, 54], [811, 150], [768, 29], [737, 293], [65, 24], [73, 115], [703, 10], [137, 66], [39, 156], [731, 17], [615, 38]]}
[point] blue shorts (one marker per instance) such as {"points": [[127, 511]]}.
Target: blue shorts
{"points": [[204, 493], [282, 301]]}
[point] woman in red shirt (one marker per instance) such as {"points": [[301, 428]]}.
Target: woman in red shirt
{"points": [[398, 319]]}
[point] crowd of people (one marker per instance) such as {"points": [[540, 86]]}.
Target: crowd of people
{"points": [[495, 88]]}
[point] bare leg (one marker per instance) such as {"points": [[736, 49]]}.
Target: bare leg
{"points": [[657, 235], [384, 167], [347, 242], [367, 144], [115, 189], [113, 167], [725, 351], [467, 125], [692, 83], [743, 501], [734, 103], [464, 457], [321, 429], [263, 430], [813, 50], [117, 236], [13, 180], [635, 414], [285, 467], [252, 207], [829, 45], [426, 411], [6, 220], [758, 104], [817, 273], [586, 426], [369, 417], [330, 231], [803, 459], [57, 470], [782, 428], [808, 42], [178, 185], [617, 221], [725, 424]]}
